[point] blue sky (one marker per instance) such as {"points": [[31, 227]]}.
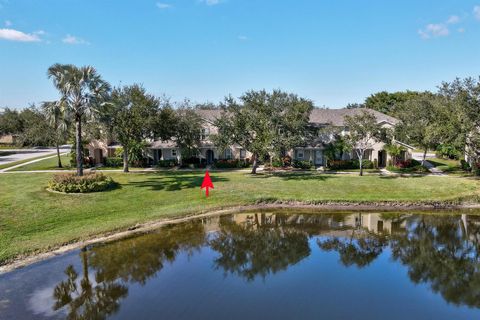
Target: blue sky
{"points": [[333, 52]]}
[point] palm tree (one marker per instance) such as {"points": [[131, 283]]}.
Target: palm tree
{"points": [[82, 92], [55, 113]]}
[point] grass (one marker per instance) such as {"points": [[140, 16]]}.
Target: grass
{"points": [[11, 164], [447, 165], [33, 219], [46, 164]]}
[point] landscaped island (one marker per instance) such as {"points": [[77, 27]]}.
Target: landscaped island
{"points": [[33, 219]]}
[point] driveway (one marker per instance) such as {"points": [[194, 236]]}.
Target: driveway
{"points": [[25, 154]]}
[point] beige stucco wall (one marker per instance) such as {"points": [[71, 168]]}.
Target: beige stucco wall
{"points": [[7, 139]]}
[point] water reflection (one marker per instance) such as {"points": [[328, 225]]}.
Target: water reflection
{"points": [[439, 251]]}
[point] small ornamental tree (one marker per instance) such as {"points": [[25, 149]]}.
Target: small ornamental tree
{"points": [[363, 133]]}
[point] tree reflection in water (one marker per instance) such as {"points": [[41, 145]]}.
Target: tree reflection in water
{"points": [[258, 249], [116, 264], [360, 248], [442, 252]]}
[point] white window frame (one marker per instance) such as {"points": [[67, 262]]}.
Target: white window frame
{"points": [[204, 133], [243, 154], [228, 154], [174, 152], [300, 152]]}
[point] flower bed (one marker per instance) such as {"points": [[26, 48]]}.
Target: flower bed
{"points": [[70, 183]]}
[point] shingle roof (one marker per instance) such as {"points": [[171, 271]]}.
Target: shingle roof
{"points": [[318, 116], [336, 117]]}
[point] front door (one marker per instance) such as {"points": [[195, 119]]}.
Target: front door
{"points": [[210, 157], [98, 156], [382, 158], [318, 157]]}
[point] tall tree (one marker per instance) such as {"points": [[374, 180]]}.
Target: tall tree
{"points": [[290, 121], [37, 130], [10, 122], [420, 122], [59, 121], [82, 91], [188, 131], [363, 133], [133, 118], [263, 123], [387, 102], [462, 123]]}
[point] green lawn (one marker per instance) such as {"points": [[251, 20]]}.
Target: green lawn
{"points": [[447, 165], [46, 164], [11, 164], [32, 218]]}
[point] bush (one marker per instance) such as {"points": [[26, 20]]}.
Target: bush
{"points": [[350, 164], [409, 163], [70, 183], [448, 151], [231, 164], [281, 162], [167, 163], [113, 162], [408, 166], [476, 169], [465, 165], [305, 165]]}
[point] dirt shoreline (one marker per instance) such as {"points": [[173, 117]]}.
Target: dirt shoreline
{"points": [[24, 261]]}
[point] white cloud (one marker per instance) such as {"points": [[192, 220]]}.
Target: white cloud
{"points": [[242, 38], [476, 12], [461, 30], [15, 35], [211, 2], [69, 39], [8, 23], [162, 5], [434, 31], [453, 20]]}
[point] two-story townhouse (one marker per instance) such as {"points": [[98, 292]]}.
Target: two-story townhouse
{"points": [[314, 152]]}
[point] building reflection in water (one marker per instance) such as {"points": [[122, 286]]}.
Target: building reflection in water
{"points": [[442, 252]]}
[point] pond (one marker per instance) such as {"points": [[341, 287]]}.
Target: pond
{"points": [[264, 265]]}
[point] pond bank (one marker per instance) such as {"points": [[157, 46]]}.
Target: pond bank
{"points": [[142, 228]]}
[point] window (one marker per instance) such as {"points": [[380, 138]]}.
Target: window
{"points": [[228, 154], [300, 154], [243, 154], [205, 132], [174, 152]]}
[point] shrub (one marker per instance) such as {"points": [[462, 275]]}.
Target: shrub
{"points": [[465, 165], [350, 164], [282, 162], [476, 169], [167, 163], [448, 151], [409, 163], [230, 164], [305, 165], [70, 183], [118, 152], [87, 161], [113, 162]]}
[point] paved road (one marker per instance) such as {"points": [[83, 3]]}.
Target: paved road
{"points": [[25, 154]]}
